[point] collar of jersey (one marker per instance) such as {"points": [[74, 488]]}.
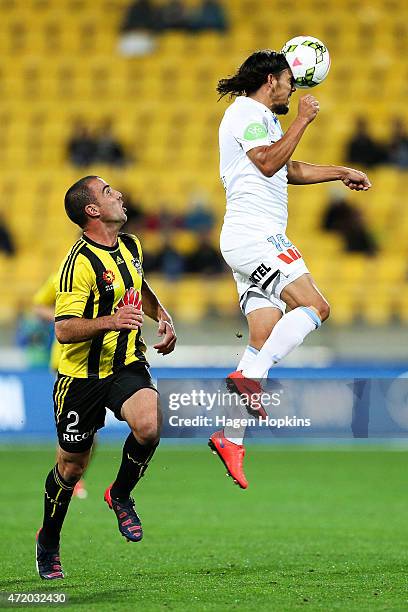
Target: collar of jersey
{"points": [[264, 108], [101, 246]]}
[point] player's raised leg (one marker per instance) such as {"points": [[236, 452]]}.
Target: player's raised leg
{"points": [[59, 486], [272, 337], [142, 413], [308, 309]]}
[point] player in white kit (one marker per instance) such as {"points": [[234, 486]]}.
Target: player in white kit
{"points": [[256, 167]]}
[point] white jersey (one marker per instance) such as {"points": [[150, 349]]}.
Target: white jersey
{"points": [[254, 200]]}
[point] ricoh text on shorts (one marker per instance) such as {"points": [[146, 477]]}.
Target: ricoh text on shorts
{"points": [[80, 403]]}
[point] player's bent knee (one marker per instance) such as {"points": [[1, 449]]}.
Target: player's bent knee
{"points": [[147, 427], [147, 433], [71, 471], [324, 311]]}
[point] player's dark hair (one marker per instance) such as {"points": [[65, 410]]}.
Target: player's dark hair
{"points": [[253, 73], [77, 197]]}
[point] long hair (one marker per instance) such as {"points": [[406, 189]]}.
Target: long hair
{"points": [[253, 73]]}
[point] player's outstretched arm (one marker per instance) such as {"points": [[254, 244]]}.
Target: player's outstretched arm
{"points": [[301, 173], [78, 329], [156, 311], [270, 159]]}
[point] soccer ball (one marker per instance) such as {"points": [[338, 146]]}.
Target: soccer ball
{"points": [[308, 59]]}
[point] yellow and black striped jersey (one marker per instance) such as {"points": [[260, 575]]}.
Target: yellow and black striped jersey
{"points": [[92, 280]]}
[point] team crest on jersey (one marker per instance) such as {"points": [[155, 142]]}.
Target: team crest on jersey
{"points": [[108, 276], [137, 265]]}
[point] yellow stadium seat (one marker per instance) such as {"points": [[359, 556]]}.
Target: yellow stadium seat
{"points": [[192, 299], [61, 63], [379, 309], [391, 269], [344, 310], [184, 241], [223, 295]]}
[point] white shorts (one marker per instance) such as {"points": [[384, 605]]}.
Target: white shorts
{"points": [[262, 265]]}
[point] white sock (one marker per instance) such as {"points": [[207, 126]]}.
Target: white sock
{"points": [[247, 357], [287, 334], [236, 434]]}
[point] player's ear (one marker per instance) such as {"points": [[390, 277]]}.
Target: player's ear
{"points": [[272, 80], [92, 210]]}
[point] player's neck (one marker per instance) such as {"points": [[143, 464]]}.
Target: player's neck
{"points": [[103, 234], [263, 98]]}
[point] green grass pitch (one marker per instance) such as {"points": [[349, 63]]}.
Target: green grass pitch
{"points": [[316, 530]]}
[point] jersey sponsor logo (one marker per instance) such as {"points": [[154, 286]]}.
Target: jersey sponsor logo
{"points": [[260, 272], [78, 437], [132, 297], [255, 131], [108, 276], [137, 265], [290, 255]]}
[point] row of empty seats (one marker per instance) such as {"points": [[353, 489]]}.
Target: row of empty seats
{"points": [[61, 64]]}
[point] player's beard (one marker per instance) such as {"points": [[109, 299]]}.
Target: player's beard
{"points": [[280, 109]]}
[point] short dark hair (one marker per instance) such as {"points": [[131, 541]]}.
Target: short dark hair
{"points": [[253, 73], [77, 197]]}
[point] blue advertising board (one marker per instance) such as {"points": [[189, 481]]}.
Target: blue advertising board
{"points": [[348, 402]]}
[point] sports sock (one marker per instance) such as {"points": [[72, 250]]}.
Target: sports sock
{"points": [[58, 493], [135, 459], [236, 434], [247, 357], [287, 334]]}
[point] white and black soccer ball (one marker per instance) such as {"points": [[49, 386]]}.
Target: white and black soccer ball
{"points": [[309, 60]]}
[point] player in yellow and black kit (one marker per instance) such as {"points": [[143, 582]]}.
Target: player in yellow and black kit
{"points": [[98, 319]]}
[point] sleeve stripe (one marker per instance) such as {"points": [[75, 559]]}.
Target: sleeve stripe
{"points": [[72, 268], [67, 266], [63, 317]]}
